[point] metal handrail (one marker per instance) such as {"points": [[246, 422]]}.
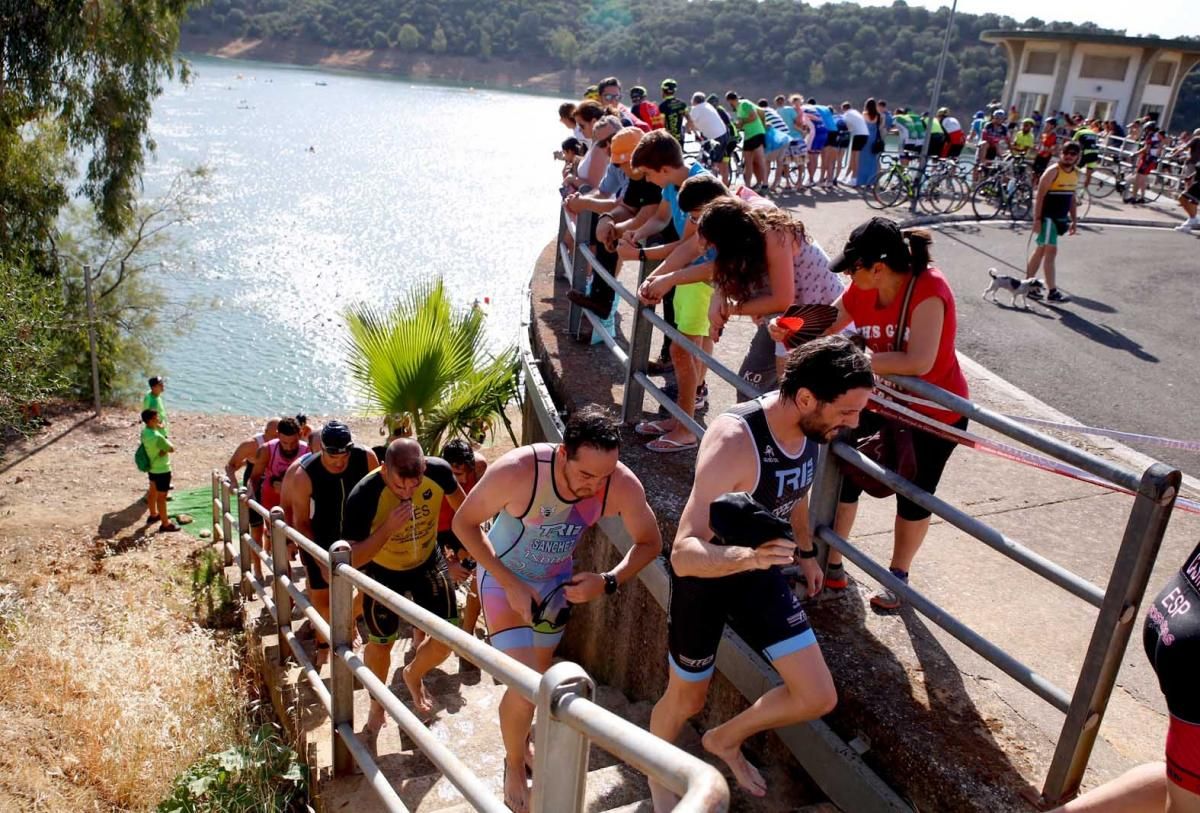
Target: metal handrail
{"points": [[1154, 492], [700, 786]]}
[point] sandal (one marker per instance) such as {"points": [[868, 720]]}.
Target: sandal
{"points": [[668, 446], [652, 428]]}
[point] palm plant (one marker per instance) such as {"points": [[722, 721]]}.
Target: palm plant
{"points": [[424, 363]]}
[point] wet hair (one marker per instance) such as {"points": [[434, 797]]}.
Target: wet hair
{"points": [[149, 415], [699, 190], [301, 419], [566, 110], [289, 427], [811, 100], [657, 150], [828, 367], [1072, 146], [591, 426], [739, 234], [458, 452], [404, 458]]}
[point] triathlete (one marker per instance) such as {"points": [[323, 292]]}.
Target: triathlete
{"points": [[1171, 638], [1053, 215], [750, 121], [243, 455], [468, 467], [1089, 142], [767, 448], [545, 497], [270, 465], [391, 523], [316, 494], [674, 111]]}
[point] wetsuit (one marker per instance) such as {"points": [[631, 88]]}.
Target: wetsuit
{"points": [[327, 506], [1171, 637], [760, 605], [538, 546], [410, 561]]}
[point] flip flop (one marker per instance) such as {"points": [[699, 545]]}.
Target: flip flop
{"points": [[650, 429], [668, 446]]}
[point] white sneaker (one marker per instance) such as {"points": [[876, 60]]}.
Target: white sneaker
{"points": [[1188, 225]]}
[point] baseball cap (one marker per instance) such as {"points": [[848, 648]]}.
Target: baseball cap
{"points": [[624, 143], [335, 437], [875, 240]]}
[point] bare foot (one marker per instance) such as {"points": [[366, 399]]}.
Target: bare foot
{"points": [[374, 725], [746, 774], [529, 756], [422, 702], [516, 789]]}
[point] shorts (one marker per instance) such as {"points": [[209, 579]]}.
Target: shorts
{"points": [[989, 151], [759, 605], [428, 586], [797, 149], [316, 575], [718, 153], [1192, 193], [931, 453], [1040, 163], [160, 480], [758, 366], [841, 140], [754, 142], [857, 143], [914, 147], [1050, 230], [691, 308], [1089, 159], [1147, 165], [507, 631], [1171, 639], [819, 139]]}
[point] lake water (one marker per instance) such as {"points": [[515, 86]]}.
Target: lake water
{"points": [[403, 183]]}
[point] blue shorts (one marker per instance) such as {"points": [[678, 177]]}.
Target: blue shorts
{"points": [[508, 631], [1050, 230], [819, 138]]}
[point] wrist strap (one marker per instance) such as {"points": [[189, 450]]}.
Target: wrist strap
{"points": [[807, 554]]}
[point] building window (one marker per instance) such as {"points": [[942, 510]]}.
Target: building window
{"points": [[1155, 110], [1104, 67], [1094, 108], [1041, 62], [1029, 102], [1163, 72]]}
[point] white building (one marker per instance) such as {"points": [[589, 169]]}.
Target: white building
{"points": [[1099, 75]]}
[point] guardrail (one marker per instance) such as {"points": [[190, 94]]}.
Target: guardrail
{"points": [[567, 719], [1154, 492]]}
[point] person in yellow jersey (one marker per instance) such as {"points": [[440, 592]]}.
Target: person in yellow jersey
{"points": [[391, 522], [1021, 145], [1054, 215]]}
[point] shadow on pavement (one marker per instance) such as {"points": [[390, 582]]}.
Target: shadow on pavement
{"points": [[1092, 304], [1102, 334], [953, 233]]}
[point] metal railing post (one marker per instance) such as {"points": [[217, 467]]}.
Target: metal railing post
{"points": [[561, 752], [1126, 586], [823, 499], [639, 353], [341, 634], [280, 566], [579, 268], [560, 270]]}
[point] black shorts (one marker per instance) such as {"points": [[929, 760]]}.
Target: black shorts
{"points": [[427, 585], [759, 605], [841, 140], [1171, 638], [1192, 193], [316, 576], [754, 142], [931, 453], [758, 366], [161, 481], [256, 519], [990, 152], [857, 143], [447, 539], [1040, 162], [718, 149]]}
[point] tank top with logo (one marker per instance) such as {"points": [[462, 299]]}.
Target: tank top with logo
{"points": [[539, 544], [783, 479]]}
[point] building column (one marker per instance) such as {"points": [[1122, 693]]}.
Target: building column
{"points": [[1062, 72], [1149, 57], [1016, 50], [1186, 63]]}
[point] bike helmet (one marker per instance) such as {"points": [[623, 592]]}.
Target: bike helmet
{"points": [[713, 99], [1028, 121], [997, 113], [943, 111], [669, 85], [979, 114], [637, 93]]}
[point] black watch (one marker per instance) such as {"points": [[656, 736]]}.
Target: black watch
{"points": [[610, 583], [642, 254], [807, 554]]}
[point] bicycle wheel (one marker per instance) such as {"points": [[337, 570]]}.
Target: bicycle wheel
{"points": [[960, 194], [1103, 182], [893, 188], [1020, 203], [987, 199], [937, 196], [1159, 185], [1083, 202]]}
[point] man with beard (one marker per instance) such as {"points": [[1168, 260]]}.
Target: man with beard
{"points": [[766, 448], [271, 463]]}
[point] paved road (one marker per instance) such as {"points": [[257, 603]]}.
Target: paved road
{"points": [[1121, 354]]}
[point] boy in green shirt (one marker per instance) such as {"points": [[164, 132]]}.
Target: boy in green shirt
{"points": [[159, 449], [153, 400]]}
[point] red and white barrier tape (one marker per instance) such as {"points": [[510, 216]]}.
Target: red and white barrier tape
{"points": [[893, 409]]}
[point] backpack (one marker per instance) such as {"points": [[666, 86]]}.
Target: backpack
{"points": [[141, 458]]}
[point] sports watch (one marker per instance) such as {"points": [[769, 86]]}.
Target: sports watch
{"points": [[610, 583]]}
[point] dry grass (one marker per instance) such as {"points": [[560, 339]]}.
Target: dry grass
{"points": [[112, 694]]}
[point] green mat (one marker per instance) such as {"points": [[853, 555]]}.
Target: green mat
{"points": [[196, 502]]}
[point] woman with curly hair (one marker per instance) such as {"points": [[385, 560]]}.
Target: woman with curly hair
{"points": [[765, 262]]}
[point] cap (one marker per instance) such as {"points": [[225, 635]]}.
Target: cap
{"points": [[1150, 125], [738, 519], [156, 380], [997, 113], [668, 84], [943, 111], [335, 437], [637, 92], [698, 97], [875, 240], [624, 143]]}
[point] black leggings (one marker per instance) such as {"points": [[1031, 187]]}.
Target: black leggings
{"points": [[931, 453]]}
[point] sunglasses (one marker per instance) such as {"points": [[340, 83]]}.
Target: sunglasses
{"points": [[612, 97]]}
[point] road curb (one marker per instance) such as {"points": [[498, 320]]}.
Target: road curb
{"points": [[938, 220]]}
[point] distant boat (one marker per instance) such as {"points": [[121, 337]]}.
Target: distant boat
{"points": [[320, 84]]}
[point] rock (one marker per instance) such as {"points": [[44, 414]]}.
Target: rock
{"points": [[18, 481], [206, 534], [185, 519]]}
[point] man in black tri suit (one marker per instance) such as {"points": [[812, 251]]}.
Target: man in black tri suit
{"points": [[767, 448], [317, 495]]}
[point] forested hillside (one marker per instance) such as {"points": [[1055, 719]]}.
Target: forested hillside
{"points": [[830, 50]]}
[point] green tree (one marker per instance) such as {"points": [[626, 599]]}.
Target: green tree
{"points": [[563, 45], [816, 74], [485, 45], [409, 38], [425, 363], [438, 43]]}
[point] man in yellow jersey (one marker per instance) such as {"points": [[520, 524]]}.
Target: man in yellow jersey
{"points": [[1053, 215], [391, 523]]}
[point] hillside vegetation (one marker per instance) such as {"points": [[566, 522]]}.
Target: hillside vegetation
{"points": [[831, 50]]}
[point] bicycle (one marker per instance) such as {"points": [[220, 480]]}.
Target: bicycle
{"points": [[998, 193]]}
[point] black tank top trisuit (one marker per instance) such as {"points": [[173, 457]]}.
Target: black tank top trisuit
{"points": [[329, 493], [1171, 636], [782, 479]]}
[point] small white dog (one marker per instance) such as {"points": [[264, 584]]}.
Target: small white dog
{"points": [[1015, 287]]}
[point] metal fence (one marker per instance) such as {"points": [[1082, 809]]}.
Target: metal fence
{"points": [[1154, 492], [567, 718]]}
